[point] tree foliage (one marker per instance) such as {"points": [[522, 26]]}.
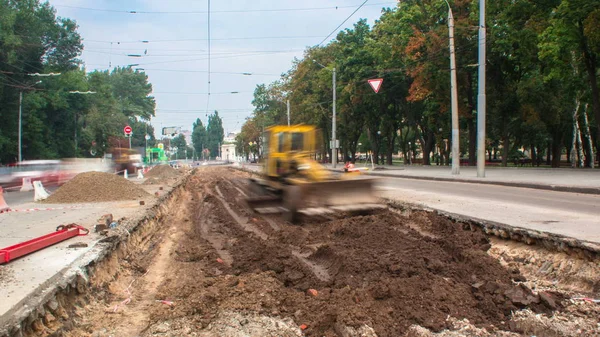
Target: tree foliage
{"points": [[73, 114], [542, 62]]}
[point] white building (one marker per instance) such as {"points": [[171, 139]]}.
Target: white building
{"points": [[228, 152]]}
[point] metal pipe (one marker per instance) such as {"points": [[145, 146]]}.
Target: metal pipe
{"points": [[481, 99], [333, 135], [454, 98], [20, 123]]}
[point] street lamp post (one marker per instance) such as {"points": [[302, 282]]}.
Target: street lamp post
{"points": [[481, 99], [454, 96], [20, 123], [76, 92], [20, 132], [333, 122], [333, 126]]}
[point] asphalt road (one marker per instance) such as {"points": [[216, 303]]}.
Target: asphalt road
{"points": [[16, 199], [571, 214]]}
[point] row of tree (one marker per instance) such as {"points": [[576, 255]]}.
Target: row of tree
{"points": [[66, 112], [208, 140], [542, 92]]}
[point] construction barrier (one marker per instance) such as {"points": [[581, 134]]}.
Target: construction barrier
{"points": [[125, 175], [26, 186], [40, 192], [3, 206], [20, 249], [140, 175]]}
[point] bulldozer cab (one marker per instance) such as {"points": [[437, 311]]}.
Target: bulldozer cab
{"points": [[285, 146]]}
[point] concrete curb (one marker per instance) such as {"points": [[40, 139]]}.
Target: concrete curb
{"points": [[558, 188], [548, 240]]}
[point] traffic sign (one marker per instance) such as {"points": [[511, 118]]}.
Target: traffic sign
{"points": [[127, 130], [376, 84]]}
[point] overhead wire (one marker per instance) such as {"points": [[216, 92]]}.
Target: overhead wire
{"points": [[214, 39], [338, 27], [218, 12], [208, 97]]}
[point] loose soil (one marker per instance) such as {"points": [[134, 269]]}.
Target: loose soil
{"points": [[217, 269], [163, 172], [96, 187]]}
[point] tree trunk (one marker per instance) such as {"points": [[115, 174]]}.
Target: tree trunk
{"points": [[571, 151], [505, 146], [427, 147], [590, 66], [548, 153], [589, 147], [472, 141], [579, 146], [556, 151], [533, 155], [390, 149]]}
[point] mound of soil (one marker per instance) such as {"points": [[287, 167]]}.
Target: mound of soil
{"points": [[163, 172], [153, 181], [386, 271], [96, 187]]}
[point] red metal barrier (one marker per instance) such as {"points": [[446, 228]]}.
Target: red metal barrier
{"points": [[63, 232]]}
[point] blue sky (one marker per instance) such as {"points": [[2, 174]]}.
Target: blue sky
{"points": [[246, 37]]}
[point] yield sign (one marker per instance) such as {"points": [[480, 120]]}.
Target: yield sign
{"points": [[376, 84]]}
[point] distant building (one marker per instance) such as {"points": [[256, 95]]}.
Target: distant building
{"points": [[188, 136], [228, 152], [229, 138]]}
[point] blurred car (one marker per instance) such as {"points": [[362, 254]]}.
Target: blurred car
{"points": [[46, 171]]}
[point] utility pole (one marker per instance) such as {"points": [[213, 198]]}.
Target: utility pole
{"points": [[454, 97], [288, 111], [20, 123], [333, 136], [481, 99]]}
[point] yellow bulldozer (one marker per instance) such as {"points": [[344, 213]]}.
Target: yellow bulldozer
{"points": [[293, 183]]}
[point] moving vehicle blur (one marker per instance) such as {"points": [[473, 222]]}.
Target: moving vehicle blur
{"points": [[49, 172], [126, 159]]}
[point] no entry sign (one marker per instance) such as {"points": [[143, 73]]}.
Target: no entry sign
{"points": [[127, 130]]}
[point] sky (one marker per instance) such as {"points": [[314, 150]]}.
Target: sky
{"points": [[251, 43]]}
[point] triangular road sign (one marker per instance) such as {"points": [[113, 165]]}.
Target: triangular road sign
{"points": [[376, 84]]}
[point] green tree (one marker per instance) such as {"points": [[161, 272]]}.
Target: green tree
{"points": [[214, 134], [199, 137], [180, 143]]}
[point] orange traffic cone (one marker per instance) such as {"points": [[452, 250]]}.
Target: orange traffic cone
{"points": [[3, 206]]}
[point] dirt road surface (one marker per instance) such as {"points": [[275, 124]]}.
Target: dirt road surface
{"points": [[214, 268]]}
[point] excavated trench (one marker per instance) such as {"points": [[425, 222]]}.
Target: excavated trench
{"points": [[208, 266]]}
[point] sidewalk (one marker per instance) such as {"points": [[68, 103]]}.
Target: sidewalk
{"points": [[563, 179], [25, 278]]}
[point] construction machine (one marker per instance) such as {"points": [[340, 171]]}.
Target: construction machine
{"points": [[293, 183]]}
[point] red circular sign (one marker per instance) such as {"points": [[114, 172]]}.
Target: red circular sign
{"points": [[127, 130]]}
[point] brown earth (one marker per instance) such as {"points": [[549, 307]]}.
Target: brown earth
{"points": [[163, 172], [221, 270], [96, 187]]}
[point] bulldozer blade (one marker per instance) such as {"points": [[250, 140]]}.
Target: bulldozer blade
{"points": [[339, 195], [266, 204]]}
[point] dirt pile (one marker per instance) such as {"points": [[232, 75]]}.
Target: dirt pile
{"points": [[222, 270], [96, 187], [163, 172], [386, 271]]}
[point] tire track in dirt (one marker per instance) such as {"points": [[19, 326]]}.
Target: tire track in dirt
{"points": [[318, 271], [209, 229], [355, 276]]}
